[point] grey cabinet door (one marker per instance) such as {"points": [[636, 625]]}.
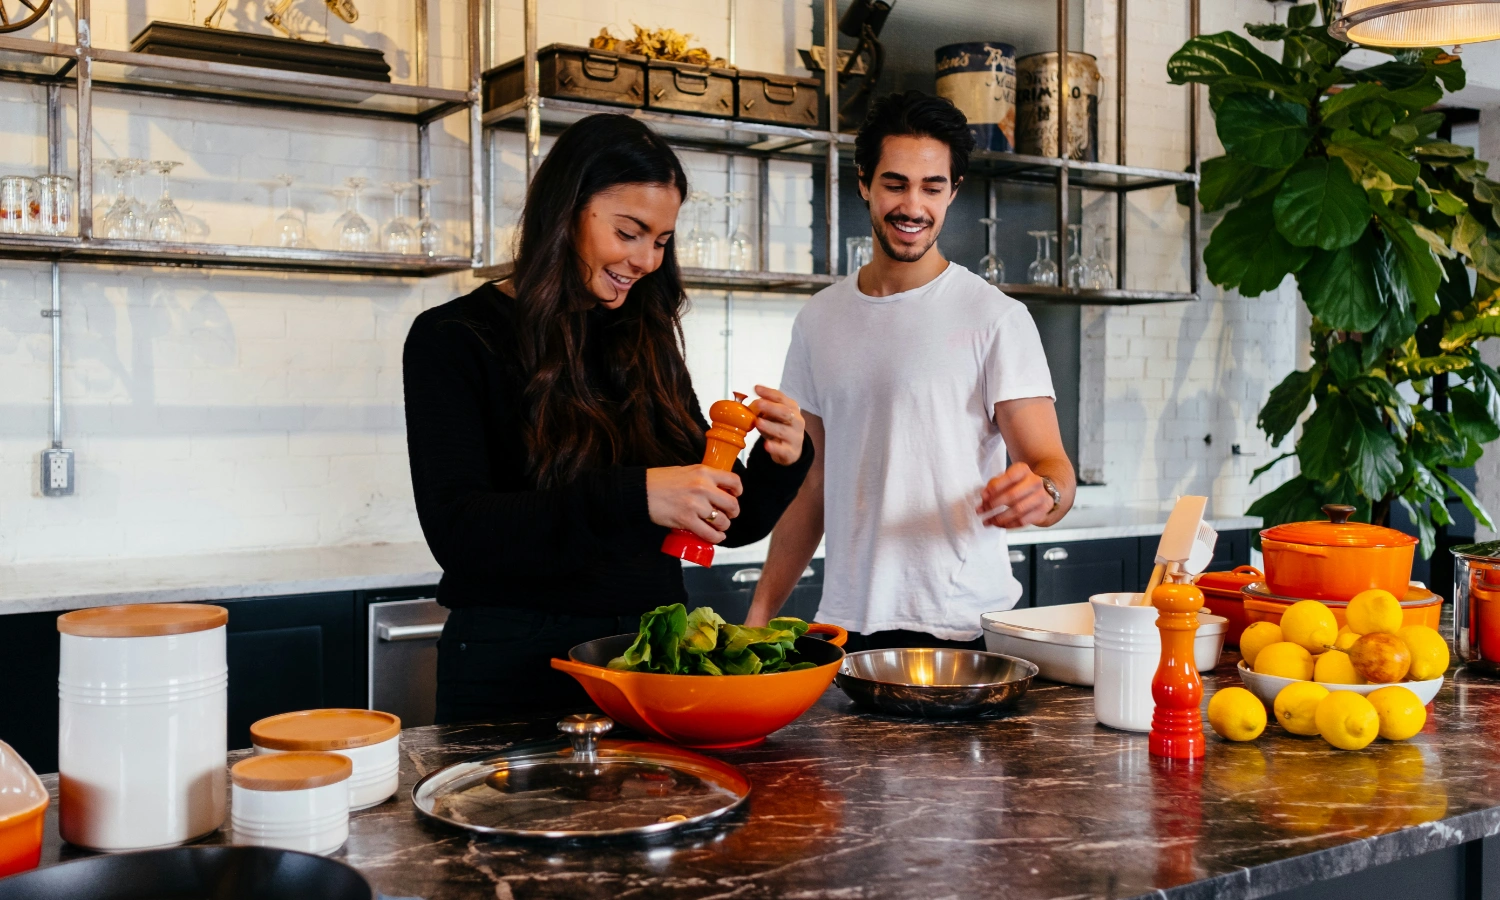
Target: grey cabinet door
{"points": [[1072, 572]]}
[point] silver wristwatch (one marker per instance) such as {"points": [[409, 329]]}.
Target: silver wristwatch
{"points": [[1051, 488]]}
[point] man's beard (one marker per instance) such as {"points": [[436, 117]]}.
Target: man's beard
{"points": [[901, 253]]}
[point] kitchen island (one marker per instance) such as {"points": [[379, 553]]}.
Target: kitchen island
{"points": [[1038, 803]]}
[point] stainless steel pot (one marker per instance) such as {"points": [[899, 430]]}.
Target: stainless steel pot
{"points": [[936, 683]]}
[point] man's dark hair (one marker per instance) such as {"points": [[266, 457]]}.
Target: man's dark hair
{"points": [[913, 114]]}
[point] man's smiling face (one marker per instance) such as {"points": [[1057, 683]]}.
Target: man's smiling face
{"points": [[909, 193]]}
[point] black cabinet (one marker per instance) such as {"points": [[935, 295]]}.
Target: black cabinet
{"points": [[286, 654], [1070, 572]]}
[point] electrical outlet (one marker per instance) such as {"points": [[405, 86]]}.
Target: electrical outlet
{"points": [[57, 472]]}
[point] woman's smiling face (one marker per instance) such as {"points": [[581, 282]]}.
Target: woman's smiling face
{"points": [[621, 236]]}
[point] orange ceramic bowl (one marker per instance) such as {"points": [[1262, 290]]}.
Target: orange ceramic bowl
{"points": [[1419, 607], [705, 711], [23, 806]]}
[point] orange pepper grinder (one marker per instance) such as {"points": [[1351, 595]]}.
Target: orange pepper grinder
{"points": [[1176, 724], [732, 420]]}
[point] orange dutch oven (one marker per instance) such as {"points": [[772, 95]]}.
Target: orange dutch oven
{"points": [[1337, 559], [705, 711]]}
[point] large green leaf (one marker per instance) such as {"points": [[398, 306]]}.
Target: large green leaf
{"points": [[1211, 58], [1339, 286], [1374, 460], [1285, 405], [1247, 253], [1262, 130], [1319, 205], [1225, 180], [1357, 149], [1325, 438]]}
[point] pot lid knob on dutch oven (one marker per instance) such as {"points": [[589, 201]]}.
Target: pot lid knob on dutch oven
{"points": [[584, 731]]}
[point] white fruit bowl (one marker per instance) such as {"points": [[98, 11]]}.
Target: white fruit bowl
{"points": [[1266, 687]]}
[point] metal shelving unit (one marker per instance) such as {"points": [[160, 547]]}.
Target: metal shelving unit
{"points": [[534, 115], [85, 69]]}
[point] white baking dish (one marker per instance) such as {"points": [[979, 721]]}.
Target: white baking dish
{"points": [[1060, 640]]}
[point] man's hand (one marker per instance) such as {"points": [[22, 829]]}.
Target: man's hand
{"points": [[1015, 498], [779, 421]]}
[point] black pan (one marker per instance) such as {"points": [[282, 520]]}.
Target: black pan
{"points": [[600, 652], [192, 873]]}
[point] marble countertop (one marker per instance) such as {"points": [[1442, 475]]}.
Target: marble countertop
{"points": [[1038, 803], [61, 586]]}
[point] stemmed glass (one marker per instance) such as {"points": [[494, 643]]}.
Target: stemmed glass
{"points": [[1101, 277], [399, 236], [429, 234], [352, 230], [991, 269], [165, 222], [741, 246], [1042, 269], [125, 219], [291, 231], [1078, 270]]}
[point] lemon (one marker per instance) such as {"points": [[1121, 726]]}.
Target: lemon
{"points": [[1429, 652], [1258, 637], [1310, 624], [1374, 611], [1235, 714], [1346, 639], [1401, 713], [1296, 707], [1334, 667], [1284, 660], [1347, 720]]}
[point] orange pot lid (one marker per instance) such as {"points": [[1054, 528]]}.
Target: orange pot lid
{"points": [[142, 620], [1338, 531], [1230, 581], [325, 729], [291, 771]]}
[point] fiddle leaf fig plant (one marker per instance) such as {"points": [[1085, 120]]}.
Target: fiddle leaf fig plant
{"points": [[1333, 175]]}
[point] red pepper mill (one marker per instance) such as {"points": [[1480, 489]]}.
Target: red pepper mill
{"points": [[732, 421], [1176, 724]]}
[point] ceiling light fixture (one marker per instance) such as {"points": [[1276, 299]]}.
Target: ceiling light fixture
{"points": [[1416, 23]]}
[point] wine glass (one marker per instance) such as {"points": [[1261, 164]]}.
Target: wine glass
{"points": [[741, 245], [290, 229], [1042, 269], [991, 269], [429, 234], [1101, 277], [1078, 270], [165, 221], [352, 231], [399, 236], [125, 219]]}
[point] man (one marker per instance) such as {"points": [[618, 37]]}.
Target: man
{"points": [[915, 378]]}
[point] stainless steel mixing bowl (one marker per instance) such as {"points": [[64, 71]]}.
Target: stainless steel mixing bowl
{"points": [[934, 683]]}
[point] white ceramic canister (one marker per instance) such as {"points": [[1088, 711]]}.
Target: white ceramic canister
{"points": [[142, 737], [292, 801], [1127, 651], [369, 738]]}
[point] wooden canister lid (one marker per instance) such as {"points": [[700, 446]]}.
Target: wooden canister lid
{"points": [[325, 729], [142, 620], [291, 771]]}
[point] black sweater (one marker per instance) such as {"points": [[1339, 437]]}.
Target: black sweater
{"points": [[586, 549]]}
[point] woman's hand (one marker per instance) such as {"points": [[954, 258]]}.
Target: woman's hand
{"points": [[779, 421], [697, 498]]}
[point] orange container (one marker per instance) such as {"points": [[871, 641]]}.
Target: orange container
{"points": [[705, 711], [1337, 559], [1419, 606], [1222, 597], [23, 807]]}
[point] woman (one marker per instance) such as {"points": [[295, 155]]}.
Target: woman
{"points": [[554, 434]]}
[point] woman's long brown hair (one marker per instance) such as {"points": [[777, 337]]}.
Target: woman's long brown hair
{"points": [[640, 414]]}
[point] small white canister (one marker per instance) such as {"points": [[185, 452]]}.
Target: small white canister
{"points": [[142, 738], [292, 801], [369, 738]]}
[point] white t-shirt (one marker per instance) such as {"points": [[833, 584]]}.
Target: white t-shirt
{"points": [[906, 386]]}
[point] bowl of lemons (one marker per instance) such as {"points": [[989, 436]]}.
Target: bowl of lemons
{"points": [[1371, 678]]}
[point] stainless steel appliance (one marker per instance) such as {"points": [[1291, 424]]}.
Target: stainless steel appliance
{"points": [[403, 640]]}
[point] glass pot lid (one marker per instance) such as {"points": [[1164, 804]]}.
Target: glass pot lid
{"points": [[582, 786], [1338, 531]]}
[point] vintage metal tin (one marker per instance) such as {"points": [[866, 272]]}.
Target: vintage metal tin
{"points": [[1036, 102], [979, 77]]}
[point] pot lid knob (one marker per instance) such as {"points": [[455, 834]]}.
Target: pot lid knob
{"points": [[1338, 513], [583, 730]]}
